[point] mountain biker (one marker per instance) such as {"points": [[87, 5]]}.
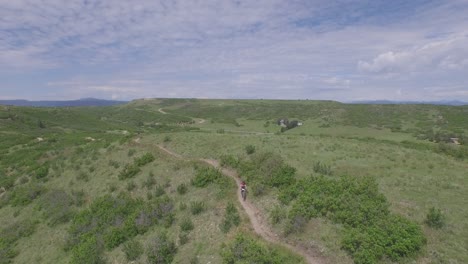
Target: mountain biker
{"points": [[243, 186], [243, 190]]}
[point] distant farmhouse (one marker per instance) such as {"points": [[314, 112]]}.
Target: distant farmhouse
{"points": [[285, 124]]}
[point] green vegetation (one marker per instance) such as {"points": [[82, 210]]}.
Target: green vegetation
{"points": [[363, 183], [245, 249], [205, 175], [435, 218], [231, 218]]}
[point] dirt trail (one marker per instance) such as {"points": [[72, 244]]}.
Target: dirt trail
{"points": [[162, 111], [259, 223]]}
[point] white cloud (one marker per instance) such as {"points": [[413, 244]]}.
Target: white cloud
{"points": [[446, 54], [265, 48]]}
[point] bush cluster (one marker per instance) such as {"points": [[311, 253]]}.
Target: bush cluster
{"points": [[245, 249], [130, 170], [372, 232], [8, 237], [205, 175], [161, 250], [25, 194], [56, 206], [231, 218], [197, 207], [115, 220], [435, 218]]}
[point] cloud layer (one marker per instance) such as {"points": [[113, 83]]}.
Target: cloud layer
{"points": [[340, 50]]}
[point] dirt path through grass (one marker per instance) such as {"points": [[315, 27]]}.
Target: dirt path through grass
{"points": [[162, 111], [257, 220]]}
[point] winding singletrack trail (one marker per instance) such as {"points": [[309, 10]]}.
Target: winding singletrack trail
{"points": [[257, 220], [160, 110]]}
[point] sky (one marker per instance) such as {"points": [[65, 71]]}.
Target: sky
{"points": [[344, 50]]}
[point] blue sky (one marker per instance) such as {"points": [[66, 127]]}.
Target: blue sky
{"points": [[338, 49]]}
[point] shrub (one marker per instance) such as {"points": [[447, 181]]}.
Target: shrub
{"points": [[56, 206], [435, 218], [249, 149], [89, 251], [82, 176], [167, 139], [133, 250], [159, 191], [245, 249], [182, 206], [10, 234], [285, 175], [129, 171], [182, 189], [143, 160], [114, 164], [131, 186], [277, 214], [231, 218], [229, 161], [131, 152], [78, 197], [150, 182], [161, 250], [183, 238], [197, 207], [42, 171], [25, 194], [204, 176], [186, 224], [322, 168]]}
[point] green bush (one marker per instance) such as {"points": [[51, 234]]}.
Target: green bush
{"points": [[249, 149], [25, 194], [322, 168], [133, 250], [149, 182], [159, 191], [131, 186], [197, 207], [394, 237], [205, 175], [56, 206], [183, 238], [161, 250], [277, 214], [285, 175], [245, 249], [89, 251], [435, 218], [131, 152], [182, 189], [9, 235], [129, 171], [372, 232], [143, 160], [231, 218], [42, 171], [186, 224], [229, 161]]}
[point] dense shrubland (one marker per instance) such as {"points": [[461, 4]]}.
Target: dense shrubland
{"points": [[246, 249], [372, 232], [111, 221]]}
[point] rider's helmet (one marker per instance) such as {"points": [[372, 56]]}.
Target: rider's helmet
{"points": [[243, 183]]}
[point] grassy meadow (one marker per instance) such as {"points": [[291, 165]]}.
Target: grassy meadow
{"points": [[90, 185]]}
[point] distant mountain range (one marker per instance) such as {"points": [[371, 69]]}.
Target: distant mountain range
{"points": [[443, 102], [79, 102]]}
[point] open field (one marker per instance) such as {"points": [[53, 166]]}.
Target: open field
{"points": [[60, 166]]}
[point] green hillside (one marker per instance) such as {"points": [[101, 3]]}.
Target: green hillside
{"points": [[352, 183]]}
